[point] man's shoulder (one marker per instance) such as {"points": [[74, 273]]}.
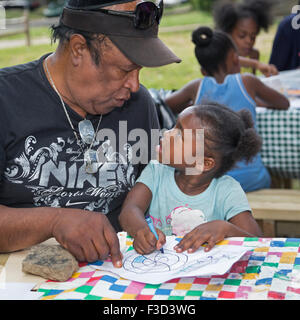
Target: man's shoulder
{"points": [[18, 70], [286, 25], [140, 107], [141, 94]]}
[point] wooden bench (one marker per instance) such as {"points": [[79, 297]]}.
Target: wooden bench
{"points": [[272, 205]]}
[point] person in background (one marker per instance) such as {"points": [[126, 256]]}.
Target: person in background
{"points": [[203, 205], [219, 61], [285, 53], [243, 22]]}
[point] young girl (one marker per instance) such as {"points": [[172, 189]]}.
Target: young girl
{"points": [[243, 22], [206, 206], [218, 58]]}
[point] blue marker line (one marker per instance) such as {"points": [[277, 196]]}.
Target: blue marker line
{"points": [[152, 229]]}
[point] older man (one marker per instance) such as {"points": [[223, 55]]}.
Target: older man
{"points": [[53, 183]]}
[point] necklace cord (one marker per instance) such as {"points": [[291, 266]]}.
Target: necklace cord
{"points": [[66, 112]]}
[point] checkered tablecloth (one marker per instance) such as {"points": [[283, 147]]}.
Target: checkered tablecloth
{"points": [[280, 131], [269, 270]]}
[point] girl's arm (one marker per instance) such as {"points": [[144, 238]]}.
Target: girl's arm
{"points": [[184, 97], [132, 216], [264, 95], [254, 54], [241, 225], [244, 223], [266, 69], [132, 220]]}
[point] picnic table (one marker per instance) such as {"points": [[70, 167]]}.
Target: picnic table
{"points": [[269, 270], [280, 130]]}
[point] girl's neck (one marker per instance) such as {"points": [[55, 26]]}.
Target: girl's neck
{"points": [[191, 185], [220, 76]]}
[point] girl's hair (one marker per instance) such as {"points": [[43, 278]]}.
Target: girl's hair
{"points": [[211, 48], [229, 135], [226, 14]]}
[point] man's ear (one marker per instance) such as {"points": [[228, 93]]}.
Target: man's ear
{"points": [[78, 48]]}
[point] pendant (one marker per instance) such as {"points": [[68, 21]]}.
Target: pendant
{"points": [[91, 161], [86, 131], [91, 168]]}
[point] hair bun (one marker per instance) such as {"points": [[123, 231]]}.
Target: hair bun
{"points": [[202, 36], [249, 144], [247, 118]]}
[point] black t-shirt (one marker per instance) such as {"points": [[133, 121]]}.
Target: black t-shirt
{"points": [[41, 163], [285, 53]]}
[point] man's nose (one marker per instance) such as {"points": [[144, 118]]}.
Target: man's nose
{"points": [[133, 82]]}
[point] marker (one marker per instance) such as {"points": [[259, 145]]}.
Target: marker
{"points": [[152, 229]]}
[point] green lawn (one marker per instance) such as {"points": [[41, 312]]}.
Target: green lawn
{"points": [[37, 32], [169, 77], [190, 17], [12, 56]]}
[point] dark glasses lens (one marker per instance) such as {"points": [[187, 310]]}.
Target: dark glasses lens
{"points": [[160, 11], [146, 13]]}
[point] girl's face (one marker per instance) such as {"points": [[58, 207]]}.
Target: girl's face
{"points": [[244, 35], [183, 146]]}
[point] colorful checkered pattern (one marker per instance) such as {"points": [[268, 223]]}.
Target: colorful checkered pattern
{"points": [[280, 132], [269, 270]]}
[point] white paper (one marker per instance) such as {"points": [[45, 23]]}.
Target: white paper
{"points": [[159, 267]]}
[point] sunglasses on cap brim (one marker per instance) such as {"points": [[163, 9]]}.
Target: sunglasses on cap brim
{"points": [[144, 15]]}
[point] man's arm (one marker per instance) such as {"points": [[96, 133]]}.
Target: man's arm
{"points": [[87, 235], [22, 228]]}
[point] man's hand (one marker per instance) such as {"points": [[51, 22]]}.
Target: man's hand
{"points": [[89, 236]]}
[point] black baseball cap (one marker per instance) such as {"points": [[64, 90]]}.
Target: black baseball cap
{"points": [[142, 47], [93, 4]]}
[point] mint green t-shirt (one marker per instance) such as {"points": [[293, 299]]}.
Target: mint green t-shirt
{"points": [[222, 200]]}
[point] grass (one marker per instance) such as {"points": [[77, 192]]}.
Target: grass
{"points": [[13, 56], [169, 77], [175, 75], [33, 14], [36, 32], [190, 17]]}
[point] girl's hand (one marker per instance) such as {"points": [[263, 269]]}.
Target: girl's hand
{"points": [[267, 69], [145, 241], [211, 232]]}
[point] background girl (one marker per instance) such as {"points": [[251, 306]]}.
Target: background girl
{"points": [[218, 58], [243, 22]]}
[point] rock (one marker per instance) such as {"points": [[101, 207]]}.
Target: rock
{"points": [[52, 262]]}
